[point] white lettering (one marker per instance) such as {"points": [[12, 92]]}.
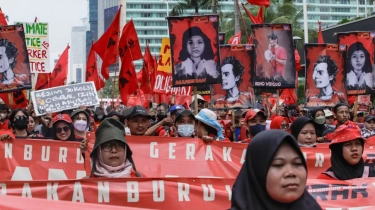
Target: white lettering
{"points": [[319, 159], [103, 192], [209, 155], [133, 191], [243, 156], [27, 153], [208, 196], [56, 174], [26, 190], [63, 154], [226, 154], [183, 192], [154, 153], [21, 173], [79, 158], [45, 154], [172, 150], [78, 193], [52, 191], [190, 150], [229, 190], [8, 150], [158, 187], [3, 189]]}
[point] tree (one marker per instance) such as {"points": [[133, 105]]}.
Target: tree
{"points": [[106, 92]]}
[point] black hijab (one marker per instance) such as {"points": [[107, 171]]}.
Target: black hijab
{"points": [[320, 128], [341, 168], [249, 190], [299, 123]]}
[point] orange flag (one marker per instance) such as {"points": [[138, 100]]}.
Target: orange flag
{"points": [[129, 42], [59, 74], [236, 39], [320, 34], [92, 73], [107, 45]]}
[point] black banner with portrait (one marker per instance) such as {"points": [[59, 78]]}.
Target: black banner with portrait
{"points": [[359, 67], [275, 64], [235, 91], [14, 60], [324, 81], [195, 50]]}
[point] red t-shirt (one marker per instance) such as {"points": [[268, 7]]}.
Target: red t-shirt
{"points": [[4, 125], [280, 54]]}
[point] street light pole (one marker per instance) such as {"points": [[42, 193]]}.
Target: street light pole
{"points": [[305, 24]]}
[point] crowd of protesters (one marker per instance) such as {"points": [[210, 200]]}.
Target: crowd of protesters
{"points": [[279, 136]]}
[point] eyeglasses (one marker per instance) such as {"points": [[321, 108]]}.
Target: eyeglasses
{"points": [[65, 129], [119, 146], [284, 126]]}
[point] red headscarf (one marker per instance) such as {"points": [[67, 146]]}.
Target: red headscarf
{"points": [[276, 122]]}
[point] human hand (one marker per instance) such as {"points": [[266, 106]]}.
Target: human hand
{"points": [[207, 139], [5, 137], [83, 145]]}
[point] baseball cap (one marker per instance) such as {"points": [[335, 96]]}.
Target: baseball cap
{"points": [[369, 117], [348, 131], [327, 113], [184, 112], [135, 111], [252, 113], [61, 117], [176, 107]]}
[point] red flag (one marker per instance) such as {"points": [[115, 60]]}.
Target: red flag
{"points": [[265, 3], [18, 99], [289, 96], [92, 73], [127, 80], [60, 72], [106, 46], [139, 75], [3, 20], [320, 34], [129, 40], [148, 78], [297, 59], [250, 41], [236, 39], [138, 98], [42, 81], [256, 20]]}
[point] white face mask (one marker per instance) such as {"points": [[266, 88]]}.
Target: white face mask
{"points": [[80, 125], [3, 116], [185, 130]]}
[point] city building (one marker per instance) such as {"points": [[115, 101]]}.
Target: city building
{"points": [[330, 12], [77, 57], [92, 24]]}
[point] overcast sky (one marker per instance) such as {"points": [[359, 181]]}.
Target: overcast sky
{"points": [[61, 15]]}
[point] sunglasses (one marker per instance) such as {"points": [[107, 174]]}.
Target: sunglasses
{"points": [[65, 129], [284, 126]]}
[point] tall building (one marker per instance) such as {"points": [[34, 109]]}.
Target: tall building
{"points": [[329, 12], [78, 53], [92, 27], [149, 19]]}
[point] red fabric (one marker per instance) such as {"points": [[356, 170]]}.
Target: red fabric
{"points": [[251, 114], [19, 99], [297, 59], [325, 176], [60, 72], [127, 79], [250, 41], [3, 21], [148, 78], [320, 34], [62, 117], [42, 81], [351, 100], [7, 131], [92, 73], [346, 132], [107, 45], [265, 3], [281, 54], [289, 96], [129, 40], [4, 125], [138, 98], [276, 122], [139, 75], [236, 39], [256, 20]]}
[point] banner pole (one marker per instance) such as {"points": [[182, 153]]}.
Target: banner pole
{"points": [[195, 100], [10, 99], [173, 99], [355, 108], [277, 102], [234, 126]]}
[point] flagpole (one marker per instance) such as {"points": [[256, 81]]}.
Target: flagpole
{"points": [[357, 8], [305, 25]]}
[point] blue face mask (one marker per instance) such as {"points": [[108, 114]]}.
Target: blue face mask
{"points": [[255, 129], [185, 130]]}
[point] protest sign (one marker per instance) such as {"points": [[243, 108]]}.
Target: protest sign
{"points": [[14, 62], [64, 97], [37, 42]]}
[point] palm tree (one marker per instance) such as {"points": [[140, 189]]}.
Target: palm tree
{"points": [[181, 7]]}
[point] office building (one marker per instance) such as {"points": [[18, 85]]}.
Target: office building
{"points": [[92, 24], [77, 57], [330, 12]]}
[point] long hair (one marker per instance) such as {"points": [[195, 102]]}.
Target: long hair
{"points": [[13, 115], [72, 137], [11, 51], [208, 53], [367, 68]]}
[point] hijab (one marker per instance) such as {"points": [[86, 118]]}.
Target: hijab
{"points": [[276, 122], [299, 123], [341, 168], [320, 128], [249, 190]]}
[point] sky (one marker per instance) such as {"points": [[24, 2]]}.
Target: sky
{"points": [[61, 15]]}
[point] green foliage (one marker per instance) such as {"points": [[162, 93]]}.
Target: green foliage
{"points": [[301, 93], [345, 20], [108, 88], [180, 8]]}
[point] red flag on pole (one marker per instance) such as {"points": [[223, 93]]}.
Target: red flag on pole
{"points": [[148, 78], [42, 81], [129, 40], [127, 80], [236, 39], [60, 72], [320, 34], [107, 45], [92, 73], [3, 20], [265, 3], [256, 20]]}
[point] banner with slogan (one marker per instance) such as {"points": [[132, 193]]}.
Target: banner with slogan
{"points": [[14, 62], [37, 42], [194, 50], [325, 78], [275, 64], [178, 193], [235, 91], [64, 98], [359, 68]]}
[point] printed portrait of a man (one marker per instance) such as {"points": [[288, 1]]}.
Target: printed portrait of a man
{"points": [[8, 55]]}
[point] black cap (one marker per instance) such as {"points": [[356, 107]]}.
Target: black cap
{"points": [[135, 111], [116, 113], [184, 113], [4, 107], [369, 117]]}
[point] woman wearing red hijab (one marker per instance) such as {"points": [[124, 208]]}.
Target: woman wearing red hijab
{"points": [[280, 122]]}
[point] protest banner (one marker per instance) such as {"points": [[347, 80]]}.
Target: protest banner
{"points": [[14, 65], [37, 42], [64, 97], [364, 102]]}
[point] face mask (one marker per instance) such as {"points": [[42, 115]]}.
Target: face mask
{"points": [[80, 125], [306, 145], [185, 130], [255, 129], [320, 120], [161, 116], [21, 123], [3, 116]]}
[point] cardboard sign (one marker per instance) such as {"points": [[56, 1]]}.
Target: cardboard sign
{"points": [[64, 97], [37, 42]]}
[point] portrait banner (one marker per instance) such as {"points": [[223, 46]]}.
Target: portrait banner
{"points": [[364, 103], [14, 60], [324, 81], [194, 50], [236, 66], [275, 65], [359, 67]]}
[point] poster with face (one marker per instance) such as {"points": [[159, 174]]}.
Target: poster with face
{"points": [[236, 66], [195, 50], [275, 65], [359, 67], [324, 83], [364, 102], [14, 61]]}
